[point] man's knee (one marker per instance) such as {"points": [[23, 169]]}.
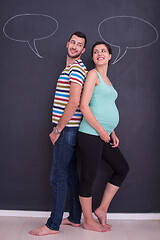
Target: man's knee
{"points": [[57, 177]]}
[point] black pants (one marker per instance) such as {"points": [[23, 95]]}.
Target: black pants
{"points": [[90, 149]]}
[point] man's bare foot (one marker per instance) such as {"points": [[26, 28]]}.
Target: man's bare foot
{"points": [[101, 215], [65, 221], [42, 231], [95, 226]]}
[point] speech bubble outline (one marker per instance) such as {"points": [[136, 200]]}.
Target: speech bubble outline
{"points": [[32, 44], [126, 48]]}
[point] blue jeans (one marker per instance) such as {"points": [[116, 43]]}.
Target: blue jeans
{"points": [[63, 173]]}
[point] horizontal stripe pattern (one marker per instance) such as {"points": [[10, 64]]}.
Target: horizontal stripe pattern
{"points": [[75, 72]]}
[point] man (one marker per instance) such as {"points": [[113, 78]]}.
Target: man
{"points": [[66, 118]]}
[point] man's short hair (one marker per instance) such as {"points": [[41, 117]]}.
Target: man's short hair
{"points": [[81, 35]]}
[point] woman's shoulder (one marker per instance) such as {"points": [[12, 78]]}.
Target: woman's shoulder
{"points": [[92, 73], [92, 78]]}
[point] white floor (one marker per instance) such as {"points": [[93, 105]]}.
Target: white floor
{"points": [[17, 228]]}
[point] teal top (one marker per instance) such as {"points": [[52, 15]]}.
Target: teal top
{"points": [[102, 105]]}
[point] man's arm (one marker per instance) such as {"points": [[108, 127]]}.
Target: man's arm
{"points": [[73, 103]]}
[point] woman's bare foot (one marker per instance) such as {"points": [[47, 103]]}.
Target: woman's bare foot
{"points": [[95, 226], [42, 231], [65, 221], [101, 215]]}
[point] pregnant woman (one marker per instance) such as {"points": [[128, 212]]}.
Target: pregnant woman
{"points": [[97, 139]]}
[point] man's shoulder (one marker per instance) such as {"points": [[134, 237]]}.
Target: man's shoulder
{"points": [[78, 64]]}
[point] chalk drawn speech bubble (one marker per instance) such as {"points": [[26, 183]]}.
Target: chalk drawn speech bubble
{"points": [[30, 28], [127, 32]]}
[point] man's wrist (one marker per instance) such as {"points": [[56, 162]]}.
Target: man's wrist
{"points": [[55, 130]]}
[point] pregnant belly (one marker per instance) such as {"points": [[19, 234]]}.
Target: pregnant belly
{"points": [[108, 117]]}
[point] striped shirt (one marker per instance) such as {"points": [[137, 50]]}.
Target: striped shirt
{"points": [[75, 72]]}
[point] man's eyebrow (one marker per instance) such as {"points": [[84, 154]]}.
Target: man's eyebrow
{"points": [[77, 42]]}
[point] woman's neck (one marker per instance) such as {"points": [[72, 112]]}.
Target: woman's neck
{"points": [[102, 70]]}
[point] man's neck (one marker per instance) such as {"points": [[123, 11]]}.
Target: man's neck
{"points": [[70, 60]]}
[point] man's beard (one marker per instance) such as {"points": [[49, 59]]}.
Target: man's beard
{"points": [[75, 56]]}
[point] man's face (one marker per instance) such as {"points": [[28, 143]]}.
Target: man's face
{"points": [[75, 47]]}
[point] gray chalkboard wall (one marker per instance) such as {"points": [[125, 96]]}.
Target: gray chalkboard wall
{"points": [[29, 71]]}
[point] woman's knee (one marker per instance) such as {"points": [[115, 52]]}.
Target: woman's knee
{"points": [[126, 169]]}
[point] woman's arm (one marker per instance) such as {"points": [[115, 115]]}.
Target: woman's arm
{"points": [[90, 83]]}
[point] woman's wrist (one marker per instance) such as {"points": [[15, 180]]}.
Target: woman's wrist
{"points": [[101, 130], [113, 133]]}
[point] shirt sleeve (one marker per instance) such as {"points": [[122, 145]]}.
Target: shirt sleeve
{"points": [[77, 74]]}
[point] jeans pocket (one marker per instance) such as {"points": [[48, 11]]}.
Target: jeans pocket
{"points": [[71, 136]]}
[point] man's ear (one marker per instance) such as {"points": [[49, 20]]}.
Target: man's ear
{"points": [[67, 45], [83, 50]]}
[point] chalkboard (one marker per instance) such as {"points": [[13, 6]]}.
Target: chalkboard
{"points": [[33, 36]]}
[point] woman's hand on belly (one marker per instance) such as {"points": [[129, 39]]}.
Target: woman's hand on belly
{"points": [[104, 135]]}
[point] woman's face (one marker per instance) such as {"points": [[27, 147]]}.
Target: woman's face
{"points": [[101, 55]]}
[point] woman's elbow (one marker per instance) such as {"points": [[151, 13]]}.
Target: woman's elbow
{"points": [[82, 107]]}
